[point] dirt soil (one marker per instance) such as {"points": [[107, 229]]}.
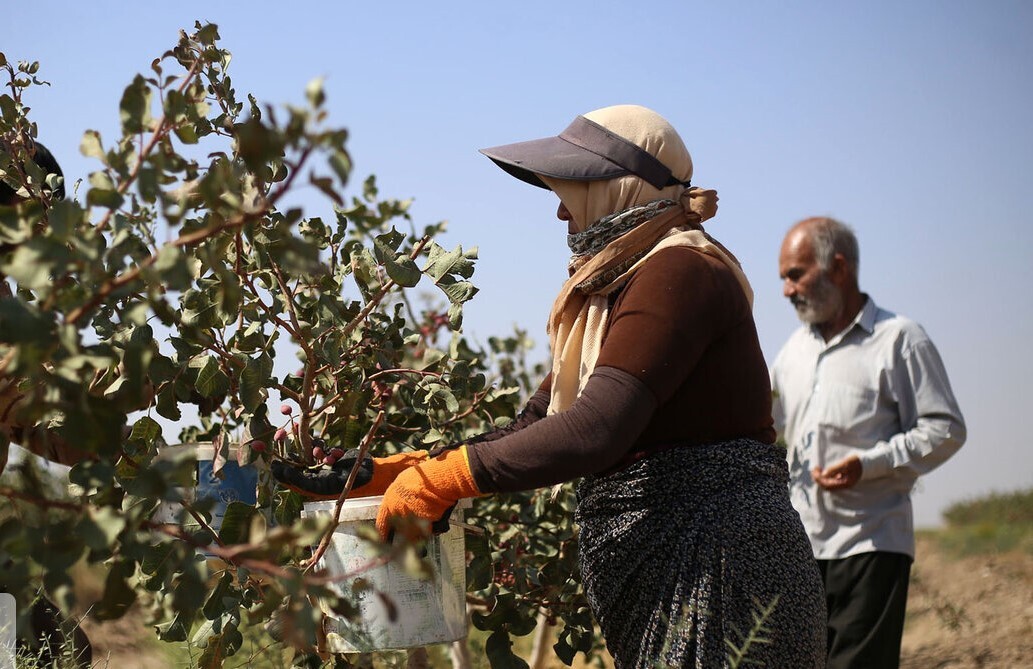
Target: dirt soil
{"points": [[970, 612], [963, 613]]}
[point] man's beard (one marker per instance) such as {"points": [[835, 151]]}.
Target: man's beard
{"points": [[822, 305]]}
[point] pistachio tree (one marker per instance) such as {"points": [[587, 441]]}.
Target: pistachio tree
{"points": [[179, 286]]}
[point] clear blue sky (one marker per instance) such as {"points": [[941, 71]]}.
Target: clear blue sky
{"points": [[910, 121]]}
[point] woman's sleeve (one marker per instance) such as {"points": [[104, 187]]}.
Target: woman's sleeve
{"points": [[661, 325], [534, 410], [590, 437], [37, 440]]}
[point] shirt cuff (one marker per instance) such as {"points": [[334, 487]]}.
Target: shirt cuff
{"points": [[876, 462]]}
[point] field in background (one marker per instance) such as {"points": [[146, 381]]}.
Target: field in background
{"points": [[971, 598], [970, 604]]}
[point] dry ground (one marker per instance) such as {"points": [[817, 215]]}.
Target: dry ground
{"points": [[969, 612]]}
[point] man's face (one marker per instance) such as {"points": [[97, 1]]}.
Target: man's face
{"points": [[816, 298]]}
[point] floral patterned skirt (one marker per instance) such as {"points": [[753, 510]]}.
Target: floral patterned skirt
{"points": [[694, 557]]}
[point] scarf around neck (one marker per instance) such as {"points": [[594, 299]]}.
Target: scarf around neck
{"points": [[606, 256]]}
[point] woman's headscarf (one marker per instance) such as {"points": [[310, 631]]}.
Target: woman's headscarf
{"points": [[606, 189]]}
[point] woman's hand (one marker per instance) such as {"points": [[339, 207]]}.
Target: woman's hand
{"points": [[426, 493]]}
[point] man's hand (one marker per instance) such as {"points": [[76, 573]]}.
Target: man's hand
{"points": [[843, 474]]}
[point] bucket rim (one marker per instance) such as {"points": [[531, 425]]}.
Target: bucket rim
{"points": [[356, 508]]}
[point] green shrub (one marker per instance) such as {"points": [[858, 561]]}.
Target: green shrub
{"points": [[1013, 508], [999, 522]]}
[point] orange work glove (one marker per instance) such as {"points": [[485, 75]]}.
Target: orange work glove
{"points": [[373, 478], [427, 492]]}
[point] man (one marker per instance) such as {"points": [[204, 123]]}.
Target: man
{"points": [[864, 405]]}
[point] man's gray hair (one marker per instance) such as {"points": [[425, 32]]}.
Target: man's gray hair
{"points": [[829, 237]]}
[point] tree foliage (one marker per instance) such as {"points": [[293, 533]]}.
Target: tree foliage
{"points": [[175, 287]]}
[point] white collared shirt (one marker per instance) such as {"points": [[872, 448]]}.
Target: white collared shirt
{"points": [[877, 390]]}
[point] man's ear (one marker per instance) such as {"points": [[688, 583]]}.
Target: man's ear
{"points": [[839, 270]]}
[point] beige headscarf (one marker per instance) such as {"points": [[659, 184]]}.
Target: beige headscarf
{"points": [[578, 321]]}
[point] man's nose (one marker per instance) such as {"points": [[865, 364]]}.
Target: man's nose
{"points": [[788, 288]]}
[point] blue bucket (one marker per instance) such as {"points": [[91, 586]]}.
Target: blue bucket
{"points": [[237, 483]]}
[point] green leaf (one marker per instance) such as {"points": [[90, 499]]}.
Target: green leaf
{"points": [[90, 146], [8, 108], [186, 133], [236, 524], [229, 294], [455, 316], [459, 292], [257, 144], [481, 567], [174, 630], [108, 199], [157, 556], [173, 268], [441, 263], [499, 650], [21, 322], [403, 271], [385, 246], [253, 380], [198, 309], [352, 435], [167, 405], [341, 164], [214, 606], [218, 647], [314, 92], [100, 526], [431, 357], [287, 508], [445, 395], [119, 596], [145, 430], [326, 185], [211, 380], [207, 34], [135, 108], [564, 650]]}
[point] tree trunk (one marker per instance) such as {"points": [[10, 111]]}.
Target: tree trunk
{"points": [[459, 653], [417, 659], [541, 638]]}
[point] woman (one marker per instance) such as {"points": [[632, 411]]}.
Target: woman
{"points": [[659, 401], [47, 636]]}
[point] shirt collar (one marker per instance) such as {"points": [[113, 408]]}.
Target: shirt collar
{"points": [[865, 319]]}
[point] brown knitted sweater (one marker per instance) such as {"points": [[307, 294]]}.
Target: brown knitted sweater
{"points": [[680, 365]]}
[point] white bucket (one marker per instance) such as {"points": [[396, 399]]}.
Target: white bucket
{"points": [[428, 611]]}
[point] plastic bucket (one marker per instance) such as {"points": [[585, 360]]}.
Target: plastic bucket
{"points": [[237, 484], [427, 611]]}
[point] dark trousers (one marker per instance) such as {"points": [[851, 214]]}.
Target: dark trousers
{"points": [[866, 596]]}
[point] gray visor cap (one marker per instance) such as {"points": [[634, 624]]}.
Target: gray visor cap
{"points": [[585, 151]]}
